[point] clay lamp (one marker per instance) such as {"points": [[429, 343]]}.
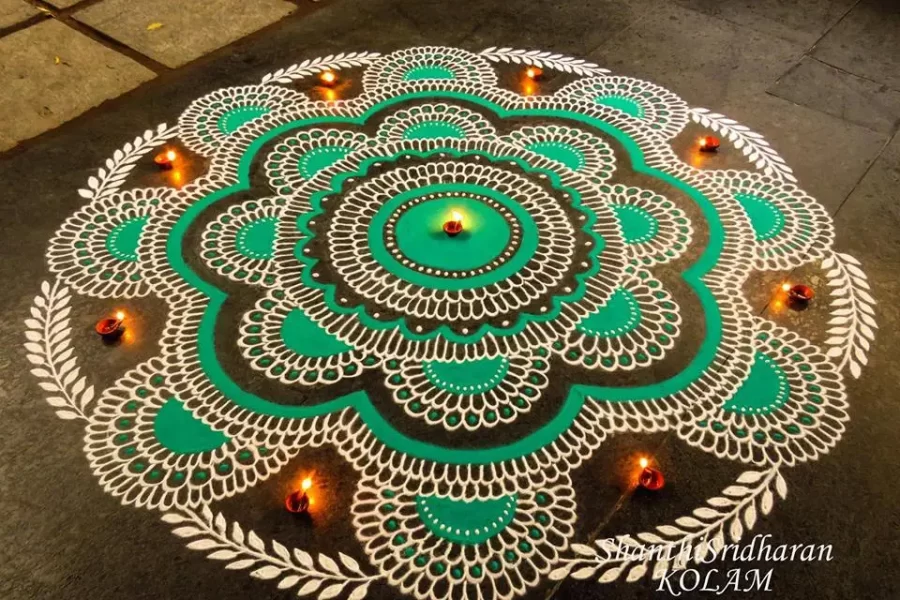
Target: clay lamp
{"points": [[800, 295], [454, 226], [111, 328], [165, 160], [298, 500], [709, 143], [534, 73], [650, 478], [328, 78]]}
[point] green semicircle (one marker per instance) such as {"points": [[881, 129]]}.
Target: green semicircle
{"points": [[425, 130], [428, 72], [304, 336], [230, 121], [765, 218], [638, 225], [256, 239], [466, 522], [319, 158], [178, 430], [765, 390], [567, 154], [481, 374], [122, 241], [620, 315], [626, 105]]}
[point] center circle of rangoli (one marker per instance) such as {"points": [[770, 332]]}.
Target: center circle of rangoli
{"points": [[315, 300], [419, 236]]}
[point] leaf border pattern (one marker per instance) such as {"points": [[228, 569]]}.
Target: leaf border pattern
{"points": [[49, 349], [723, 517], [852, 313], [109, 178], [753, 145], [242, 550], [344, 60], [541, 59]]}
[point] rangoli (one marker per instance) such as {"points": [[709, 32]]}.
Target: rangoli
{"points": [[309, 260]]}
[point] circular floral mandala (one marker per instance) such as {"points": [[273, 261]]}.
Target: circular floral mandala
{"points": [[465, 377]]}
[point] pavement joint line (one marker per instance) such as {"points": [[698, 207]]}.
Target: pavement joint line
{"points": [[25, 24], [64, 17], [828, 30], [843, 70]]}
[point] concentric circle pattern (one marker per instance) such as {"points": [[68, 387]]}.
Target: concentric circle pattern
{"points": [[465, 291]]}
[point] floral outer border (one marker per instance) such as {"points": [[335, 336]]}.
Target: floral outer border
{"points": [[736, 511]]}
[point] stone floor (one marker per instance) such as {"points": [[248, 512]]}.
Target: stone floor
{"points": [[820, 79]]}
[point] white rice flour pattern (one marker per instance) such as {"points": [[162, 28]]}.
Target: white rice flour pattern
{"points": [[325, 219]]}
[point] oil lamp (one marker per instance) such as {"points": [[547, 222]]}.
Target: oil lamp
{"points": [[800, 295], [534, 73], [454, 226], [709, 143], [111, 328], [328, 78], [165, 160], [650, 478], [298, 500]]}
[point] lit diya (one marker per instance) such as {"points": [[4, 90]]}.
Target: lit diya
{"points": [[534, 73], [165, 160], [709, 143], [298, 500], [800, 295], [454, 226], [111, 328], [650, 478]]}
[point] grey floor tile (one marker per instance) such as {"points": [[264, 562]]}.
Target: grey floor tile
{"points": [[703, 58], [185, 33], [824, 88], [800, 21], [15, 11], [39, 93], [866, 42], [572, 27]]}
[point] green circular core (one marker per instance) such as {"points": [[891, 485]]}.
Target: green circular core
{"points": [[421, 238]]}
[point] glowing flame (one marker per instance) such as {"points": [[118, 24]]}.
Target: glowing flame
{"points": [[306, 484], [171, 155], [120, 316], [533, 72], [644, 462], [327, 77], [785, 287], [457, 216]]}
